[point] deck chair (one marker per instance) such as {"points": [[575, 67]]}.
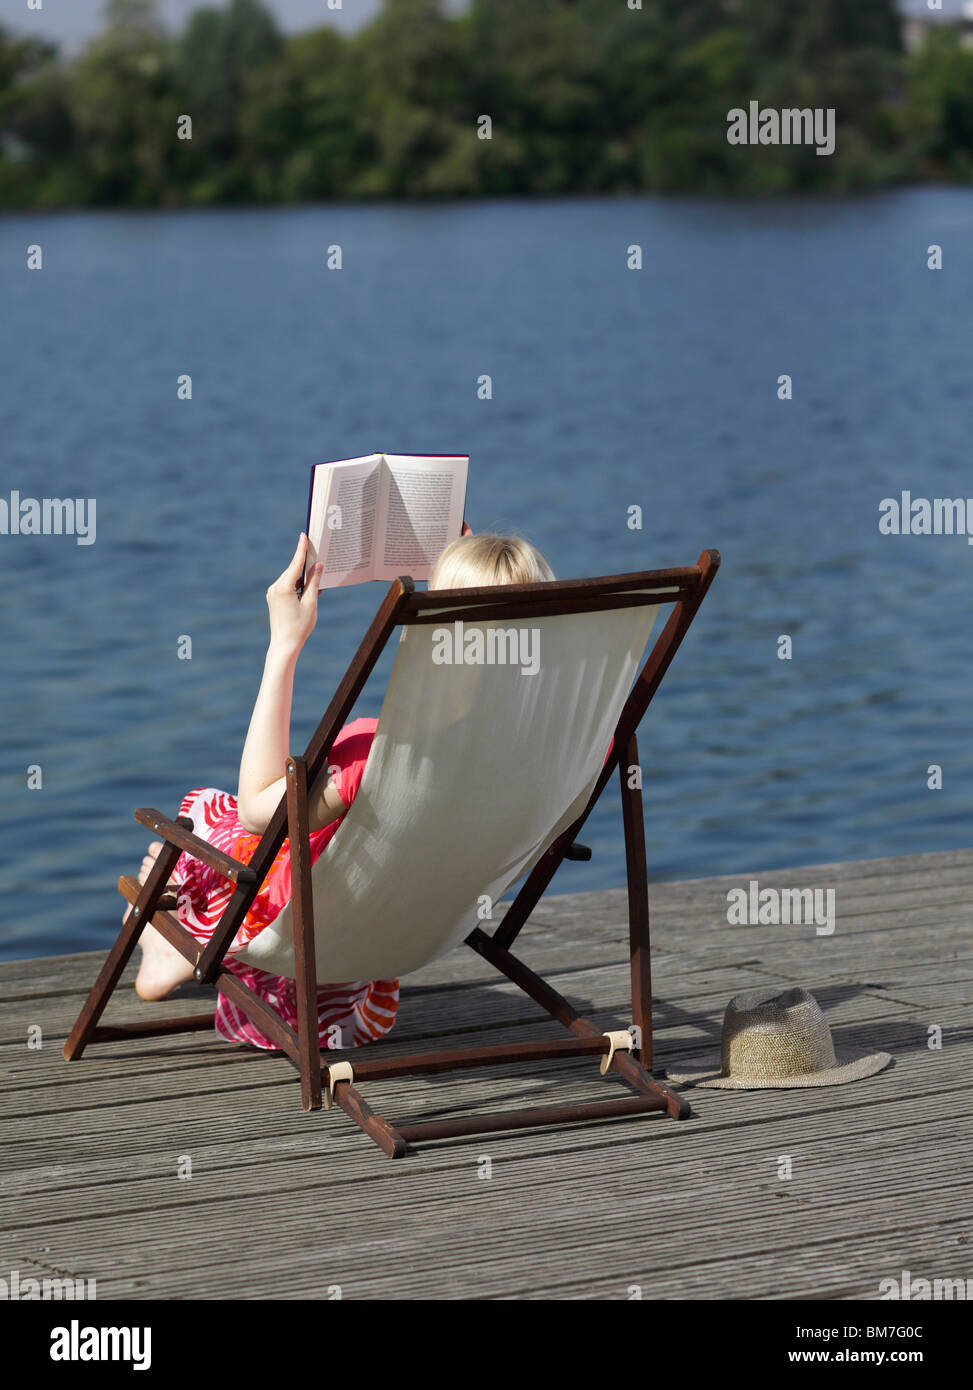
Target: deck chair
{"points": [[486, 763]]}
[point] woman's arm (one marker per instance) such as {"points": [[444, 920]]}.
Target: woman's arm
{"points": [[262, 780]]}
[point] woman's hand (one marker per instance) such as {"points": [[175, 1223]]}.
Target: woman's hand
{"points": [[293, 615], [292, 619]]}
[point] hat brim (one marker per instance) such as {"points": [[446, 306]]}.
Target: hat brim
{"points": [[853, 1065]]}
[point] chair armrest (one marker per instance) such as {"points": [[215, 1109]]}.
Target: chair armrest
{"points": [[577, 851], [130, 888], [178, 832]]}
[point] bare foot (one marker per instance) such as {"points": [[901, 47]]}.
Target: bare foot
{"points": [[148, 863], [162, 965]]}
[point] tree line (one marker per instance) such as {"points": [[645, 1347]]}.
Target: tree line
{"points": [[582, 96]]}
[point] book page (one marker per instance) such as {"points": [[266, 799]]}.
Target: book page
{"points": [[341, 519], [422, 511]]}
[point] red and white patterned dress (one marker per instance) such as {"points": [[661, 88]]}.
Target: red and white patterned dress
{"points": [[348, 1014]]}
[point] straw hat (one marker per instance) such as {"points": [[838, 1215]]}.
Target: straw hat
{"points": [[774, 1041]]}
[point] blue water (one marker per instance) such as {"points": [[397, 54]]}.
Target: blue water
{"points": [[611, 387]]}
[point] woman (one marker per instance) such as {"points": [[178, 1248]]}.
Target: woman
{"points": [[348, 1014]]}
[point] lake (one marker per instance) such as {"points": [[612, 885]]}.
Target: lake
{"points": [[612, 388]]}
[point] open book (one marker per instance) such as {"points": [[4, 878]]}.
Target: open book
{"points": [[384, 515]]}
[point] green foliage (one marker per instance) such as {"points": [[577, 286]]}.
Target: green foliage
{"points": [[122, 107], [940, 108], [214, 57], [298, 132], [583, 96]]}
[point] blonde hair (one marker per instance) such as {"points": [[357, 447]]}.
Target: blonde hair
{"points": [[478, 560]]}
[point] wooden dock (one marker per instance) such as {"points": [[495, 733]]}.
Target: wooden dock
{"points": [[281, 1204]]}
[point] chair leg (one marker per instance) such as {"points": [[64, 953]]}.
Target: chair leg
{"points": [[638, 903], [394, 1140], [544, 994], [632, 1071], [353, 1103], [302, 900], [119, 955]]}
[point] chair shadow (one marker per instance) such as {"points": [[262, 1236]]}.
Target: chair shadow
{"points": [[437, 1016]]}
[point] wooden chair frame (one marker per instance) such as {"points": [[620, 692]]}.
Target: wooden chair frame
{"points": [[402, 605]]}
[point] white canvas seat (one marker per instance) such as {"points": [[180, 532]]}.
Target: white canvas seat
{"points": [[473, 771]]}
